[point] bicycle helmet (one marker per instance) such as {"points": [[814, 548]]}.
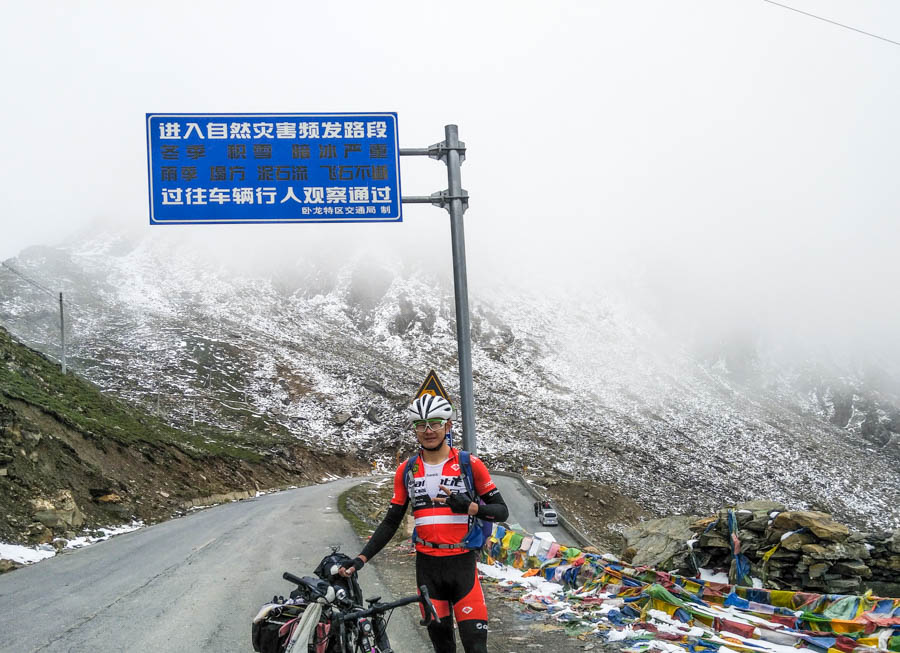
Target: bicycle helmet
{"points": [[429, 407]]}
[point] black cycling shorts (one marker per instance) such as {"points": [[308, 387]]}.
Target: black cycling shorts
{"points": [[452, 582]]}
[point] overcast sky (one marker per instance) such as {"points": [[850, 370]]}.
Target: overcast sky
{"points": [[729, 156]]}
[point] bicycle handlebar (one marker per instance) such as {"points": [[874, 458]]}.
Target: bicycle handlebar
{"points": [[424, 598], [427, 607], [303, 582]]}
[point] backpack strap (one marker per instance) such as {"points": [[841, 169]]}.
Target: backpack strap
{"points": [[408, 479], [408, 476], [465, 465]]}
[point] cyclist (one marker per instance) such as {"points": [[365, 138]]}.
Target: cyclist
{"points": [[441, 508]]}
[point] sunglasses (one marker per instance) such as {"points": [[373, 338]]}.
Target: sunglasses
{"points": [[431, 425]]}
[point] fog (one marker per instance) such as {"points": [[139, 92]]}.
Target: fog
{"points": [[724, 167]]}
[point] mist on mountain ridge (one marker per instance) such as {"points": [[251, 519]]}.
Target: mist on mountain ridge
{"points": [[699, 304], [578, 377]]}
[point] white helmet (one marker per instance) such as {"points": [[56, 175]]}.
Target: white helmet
{"points": [[429, 407]]}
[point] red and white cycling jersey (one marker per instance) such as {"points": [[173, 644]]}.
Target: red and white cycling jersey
{"points": [[435, 522]]}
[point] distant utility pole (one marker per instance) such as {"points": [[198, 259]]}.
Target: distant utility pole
{"points": [[62, 333], [62, 324]]}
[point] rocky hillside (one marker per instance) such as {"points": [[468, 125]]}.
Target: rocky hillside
{"points": [[568, 384], [73, 457]]}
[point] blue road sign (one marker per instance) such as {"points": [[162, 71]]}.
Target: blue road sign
{"points": [[284, 167]]}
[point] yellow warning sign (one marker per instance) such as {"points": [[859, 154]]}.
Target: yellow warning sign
{"points": [[433, 386]]}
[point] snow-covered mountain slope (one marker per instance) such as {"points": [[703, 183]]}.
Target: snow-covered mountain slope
{"points": [[572, 382]]}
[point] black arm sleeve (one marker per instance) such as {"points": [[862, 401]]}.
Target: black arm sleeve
{"points": [[494, 508], [385, 530]]}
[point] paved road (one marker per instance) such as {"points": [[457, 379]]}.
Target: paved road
{"points": [[190, 584], [521, 509]]}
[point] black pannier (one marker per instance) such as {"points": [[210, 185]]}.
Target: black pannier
{"points": [[271, 632], [275, 622]]}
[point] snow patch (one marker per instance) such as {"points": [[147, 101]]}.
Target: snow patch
{"points": [[29, 555], [26, 555], [713, 577]]}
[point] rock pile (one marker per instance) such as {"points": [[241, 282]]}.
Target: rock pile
{"points": [[884, 561], [785, 549]]}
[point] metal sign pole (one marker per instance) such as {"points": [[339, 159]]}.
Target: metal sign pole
{"points": [[456, 201], [463, 331]]}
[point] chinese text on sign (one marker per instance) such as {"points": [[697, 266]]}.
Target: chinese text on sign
{"points": [[224, 168]]}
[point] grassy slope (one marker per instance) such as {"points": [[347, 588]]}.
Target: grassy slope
{"points": [[28, 376]]}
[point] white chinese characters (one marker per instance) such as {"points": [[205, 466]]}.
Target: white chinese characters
{"points": [[269, 195], [301, 130]]}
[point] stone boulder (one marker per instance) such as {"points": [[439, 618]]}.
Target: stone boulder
{"points": [[658, 542], [851, 568], [755, 515], [835, 551], [8, 565], [340, 419], [374, 386], [796, 541], [761, 505], [60, 511], [373, 416], [820, 523]]}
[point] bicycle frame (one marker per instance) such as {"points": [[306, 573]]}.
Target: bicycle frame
{"points": [[366, 632], [354, 625]]}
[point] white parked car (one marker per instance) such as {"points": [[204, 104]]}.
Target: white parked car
{"points": [[547, 517]]}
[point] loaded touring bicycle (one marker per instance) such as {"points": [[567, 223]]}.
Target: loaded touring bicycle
{"points": [[325, 614]]}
